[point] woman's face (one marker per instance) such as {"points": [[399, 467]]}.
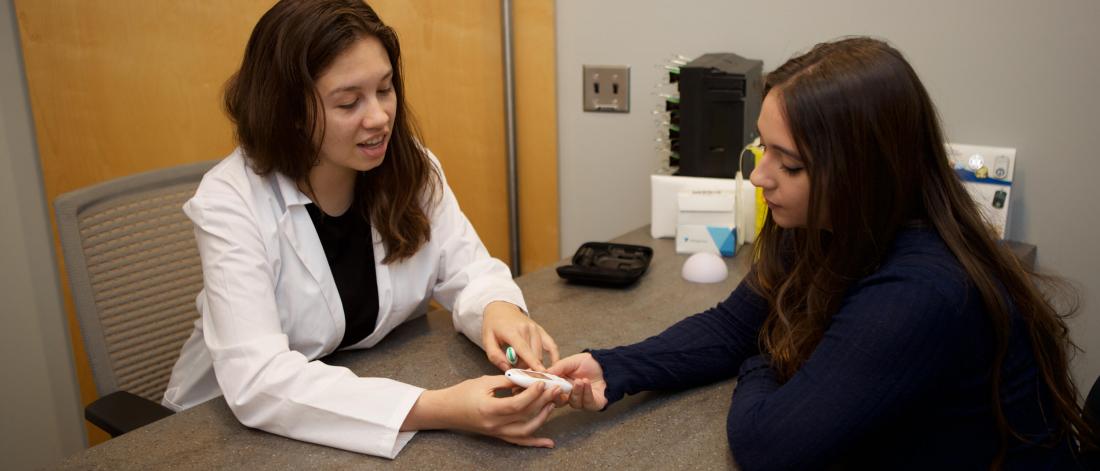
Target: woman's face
{"points": [[781, 171], [359, 103]]}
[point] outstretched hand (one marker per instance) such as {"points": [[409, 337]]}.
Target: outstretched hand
{"points": [[472, 406], [504, 324], [589, 386]]}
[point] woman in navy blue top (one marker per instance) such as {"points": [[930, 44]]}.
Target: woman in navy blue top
{"points": [[882, 326]]}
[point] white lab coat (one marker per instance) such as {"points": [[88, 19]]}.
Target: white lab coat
{"points": [[269, 309]]}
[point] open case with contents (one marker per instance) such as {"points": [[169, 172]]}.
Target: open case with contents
{"points": [[606, 263]]}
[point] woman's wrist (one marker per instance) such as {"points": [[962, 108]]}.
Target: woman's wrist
{"points": [[501, 306], [427, 413]]}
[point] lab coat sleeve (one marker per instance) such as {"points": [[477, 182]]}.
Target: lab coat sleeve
{"points": [[468, 278], [267, 385]]}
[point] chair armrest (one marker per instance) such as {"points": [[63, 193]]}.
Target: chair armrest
{"points": [[121, 412]]}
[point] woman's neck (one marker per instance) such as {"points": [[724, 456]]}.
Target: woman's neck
{"points": [[331, 188]]}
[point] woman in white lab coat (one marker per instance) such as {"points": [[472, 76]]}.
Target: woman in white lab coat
{"points": [[327, 228]]}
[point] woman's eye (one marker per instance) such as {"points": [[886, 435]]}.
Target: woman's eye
{"points": [[385, 91], [790, 170], [348, 106]]}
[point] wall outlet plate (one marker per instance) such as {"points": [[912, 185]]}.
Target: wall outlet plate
{"points": [[606, 88]]}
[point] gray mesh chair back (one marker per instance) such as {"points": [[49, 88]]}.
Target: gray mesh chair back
{"points": [[134, 271]]}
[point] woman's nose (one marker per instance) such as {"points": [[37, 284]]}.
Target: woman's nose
{"points": [[375, 116], [759, 177]]}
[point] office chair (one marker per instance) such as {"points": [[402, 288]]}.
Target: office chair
{"points": [[134, 271]]}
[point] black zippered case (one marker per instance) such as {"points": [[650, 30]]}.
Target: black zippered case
{"points": [[607, 264]]}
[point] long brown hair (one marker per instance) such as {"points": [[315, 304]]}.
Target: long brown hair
{"points": [[273, 101], [872, 143]]}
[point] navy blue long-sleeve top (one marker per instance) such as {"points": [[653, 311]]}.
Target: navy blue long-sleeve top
{"points": [[900, 380]]}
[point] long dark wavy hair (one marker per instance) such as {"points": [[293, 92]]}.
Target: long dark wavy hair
{"points": [[273, 102], [872, 143]]}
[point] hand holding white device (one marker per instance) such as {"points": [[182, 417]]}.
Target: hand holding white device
{"points": [[527, 378]]}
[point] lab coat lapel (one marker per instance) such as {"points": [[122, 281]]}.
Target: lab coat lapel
{"points": [[297, 227], [382, 274]]}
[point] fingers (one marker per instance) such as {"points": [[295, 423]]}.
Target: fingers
{"points": [[504, 323], [524, 405], [545, 400], [493, 383], [590, 402], [561, 399], [527, 354], [576, 397], [519, 402], [549, 345], [523, 414], [584, 397], [526, 428], [529, 441], [520, 343], [534, 339], [565, 367], [560, 368], [493, 351], [529, 402]]}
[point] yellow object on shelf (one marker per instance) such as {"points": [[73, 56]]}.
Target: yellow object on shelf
{"points": [[761, 206]]}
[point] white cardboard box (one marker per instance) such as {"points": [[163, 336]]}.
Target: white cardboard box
{"points": [[664, 202], [707, 222]]}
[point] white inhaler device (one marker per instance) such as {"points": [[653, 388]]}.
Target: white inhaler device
{"points": [[527, 378]]}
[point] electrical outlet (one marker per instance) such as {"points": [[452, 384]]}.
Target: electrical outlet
{"points": [[607, 88]]}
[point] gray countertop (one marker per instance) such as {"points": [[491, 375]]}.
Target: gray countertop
{"points": [[663, 430]]}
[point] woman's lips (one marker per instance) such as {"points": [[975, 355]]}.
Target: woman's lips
{"points": [[373, 151]]}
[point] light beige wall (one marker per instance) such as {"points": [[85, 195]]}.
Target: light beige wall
{"points": [[1013, 73], [41, 415]]}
